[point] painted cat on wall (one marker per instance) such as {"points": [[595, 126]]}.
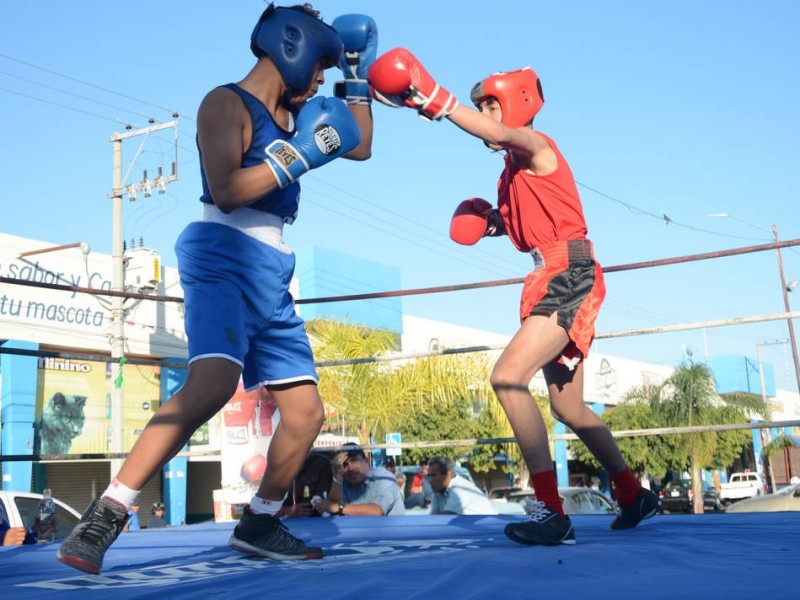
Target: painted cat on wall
{"points": [[61, 421]]}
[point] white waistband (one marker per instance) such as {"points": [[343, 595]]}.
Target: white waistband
{"points": [[264, 227]]}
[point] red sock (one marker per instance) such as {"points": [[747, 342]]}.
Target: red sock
{"points": [[627, 486], [546, 487]]}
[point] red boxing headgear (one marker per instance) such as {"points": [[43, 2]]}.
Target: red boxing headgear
{"points": [[518, 92]]}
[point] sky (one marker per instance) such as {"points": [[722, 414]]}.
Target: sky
{"points": [[666, 113]]}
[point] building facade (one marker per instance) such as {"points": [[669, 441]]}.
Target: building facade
{"points": [[59, 395]]}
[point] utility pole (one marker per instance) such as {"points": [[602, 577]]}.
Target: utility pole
{"points": [[117, 338], [788, 306], [785, 289]]}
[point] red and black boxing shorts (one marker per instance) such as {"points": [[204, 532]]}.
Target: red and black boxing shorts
{"points": [[567, 281]]}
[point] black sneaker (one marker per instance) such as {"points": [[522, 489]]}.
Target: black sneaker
{"points": [[544, 527], [646, 505], [266, 536], [84, 547]]}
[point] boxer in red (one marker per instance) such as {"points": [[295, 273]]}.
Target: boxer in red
{"points": [[538, 207]]}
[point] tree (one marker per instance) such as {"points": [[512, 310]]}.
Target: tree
{"points": [[438, 398], [643, 454], [687, 398], [355, 392], [444, 399], [426, 399], [691, 399]]}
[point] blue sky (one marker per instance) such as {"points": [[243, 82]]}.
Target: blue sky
{"points": [[680, 109]]}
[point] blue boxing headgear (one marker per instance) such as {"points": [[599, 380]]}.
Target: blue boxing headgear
{"points": [[295, 41]]}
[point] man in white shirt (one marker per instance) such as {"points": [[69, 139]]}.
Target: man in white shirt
{"points": [[453, 494]]}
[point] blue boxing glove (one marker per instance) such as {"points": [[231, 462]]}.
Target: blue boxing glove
{"points": [[324, 130], [360, 36]]}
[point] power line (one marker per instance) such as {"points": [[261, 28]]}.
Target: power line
{"points": [[77, 110], [472, 260], [173, 112], [496, 266], [663, 217], [635, 209], [79, 96]]}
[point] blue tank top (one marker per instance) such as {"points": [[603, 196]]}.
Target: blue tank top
{"points": [[282, 203]]}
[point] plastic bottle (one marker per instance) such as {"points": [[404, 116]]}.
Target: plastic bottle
{"points": [[45, 529], [316, 499]]}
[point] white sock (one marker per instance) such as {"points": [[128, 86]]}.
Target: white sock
{"points": [[265, 507], [121, 493]]}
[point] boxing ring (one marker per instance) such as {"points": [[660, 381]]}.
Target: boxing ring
{"points": [[729, 555], [418, 557]]}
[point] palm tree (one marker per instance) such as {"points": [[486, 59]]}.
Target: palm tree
{"points": [[643, 454], [689, 397], [449, 397], [439, 398], [354, 392]]}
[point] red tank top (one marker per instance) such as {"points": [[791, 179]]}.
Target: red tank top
{"points": [[540, 209]]}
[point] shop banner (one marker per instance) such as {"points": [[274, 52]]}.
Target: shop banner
{"points": [[73, 405], [249, 420]]}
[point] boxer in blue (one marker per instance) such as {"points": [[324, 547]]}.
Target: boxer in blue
{"points": [[256, 138]]}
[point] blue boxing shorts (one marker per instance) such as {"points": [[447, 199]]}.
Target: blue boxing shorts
{"points": [[238, 306]]}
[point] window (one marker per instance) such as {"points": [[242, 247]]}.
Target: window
{"points": [[29, 509]]}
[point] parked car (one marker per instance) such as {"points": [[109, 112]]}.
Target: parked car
{"points": [[786, 499], [502, 493], [677, 496], [742, 485], [576, 501], [409, 471], [22, 509]]}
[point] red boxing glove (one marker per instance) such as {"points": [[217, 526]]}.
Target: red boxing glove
{"points": [[399, 75], [253, 469], [470, 221]]}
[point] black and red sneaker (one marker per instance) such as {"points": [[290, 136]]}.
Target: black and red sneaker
{"points": [[101, 524], [646, 505], [266, 536], [544, 527]]}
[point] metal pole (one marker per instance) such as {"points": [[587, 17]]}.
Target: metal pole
{"points": [[118, 280], [786, 303], [117, 310], [761, 375], [50, 249]]}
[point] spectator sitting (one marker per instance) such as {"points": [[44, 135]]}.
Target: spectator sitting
{"points": [[316, 474], [420, 492], [364, 491], [157, 518], [401, 483], [453, 494], [391, 466]]}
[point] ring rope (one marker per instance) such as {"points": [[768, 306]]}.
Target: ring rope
{"points": [[417, 291], [414, 355], [439, 444]]}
